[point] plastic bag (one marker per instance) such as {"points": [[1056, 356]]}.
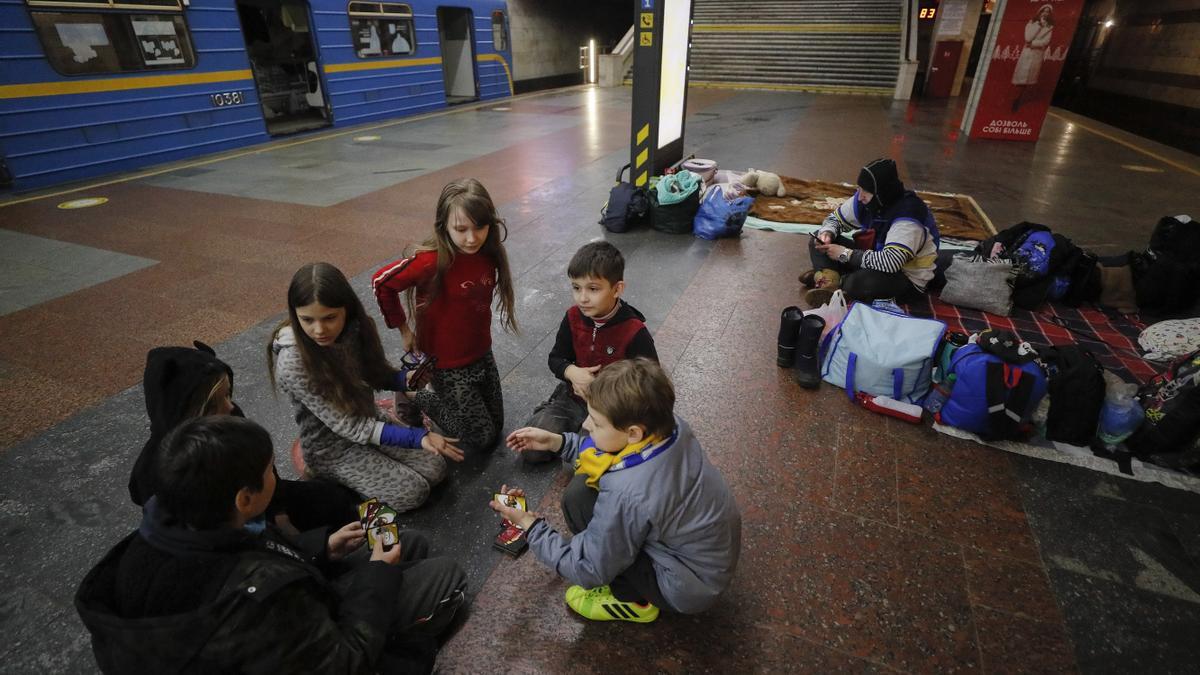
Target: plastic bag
{"points": [[833, 311], [1121, 414], [720, 217]]}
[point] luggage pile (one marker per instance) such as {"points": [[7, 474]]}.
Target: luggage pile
{"points": [[695, 199]]}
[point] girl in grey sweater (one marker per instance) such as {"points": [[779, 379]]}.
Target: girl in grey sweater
{"points": [[328, 358]]}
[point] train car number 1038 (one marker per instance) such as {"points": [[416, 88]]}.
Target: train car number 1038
{"points": [[226, 98]]}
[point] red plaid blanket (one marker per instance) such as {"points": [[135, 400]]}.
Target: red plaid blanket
{"points": [[1111, 337]]}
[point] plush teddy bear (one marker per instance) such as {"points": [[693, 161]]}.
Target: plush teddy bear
{"points": [[765, 182]]}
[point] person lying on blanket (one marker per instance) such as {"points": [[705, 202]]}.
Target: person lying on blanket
{"points": [[880, 243]]}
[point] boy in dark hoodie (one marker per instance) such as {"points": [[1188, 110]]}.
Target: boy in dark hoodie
{"points": [[180, 383], [193, 590], [599, 329]]}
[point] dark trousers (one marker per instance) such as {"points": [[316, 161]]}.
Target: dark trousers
{"points": [[561, 413], [310, 504], [638, 583], [433, 587], [863, 284]]}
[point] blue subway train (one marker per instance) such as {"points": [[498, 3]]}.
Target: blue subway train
{"points": [[92, 87]]}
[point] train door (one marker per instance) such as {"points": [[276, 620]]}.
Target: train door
{"points": [[283, 58], [456, 37]]}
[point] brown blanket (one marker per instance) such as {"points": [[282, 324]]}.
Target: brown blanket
{"points": [[809, 201]]}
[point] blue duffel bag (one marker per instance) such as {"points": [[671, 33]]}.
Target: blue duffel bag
{"points": [[991, 397], [881, 353]]}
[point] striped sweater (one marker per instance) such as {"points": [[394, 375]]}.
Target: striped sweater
{"points": [[909, 244]]}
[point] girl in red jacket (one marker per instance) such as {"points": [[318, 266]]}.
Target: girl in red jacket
{"points": [[451, 282]]}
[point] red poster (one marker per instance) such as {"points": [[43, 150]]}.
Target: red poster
{"points": [[1031, 45]]}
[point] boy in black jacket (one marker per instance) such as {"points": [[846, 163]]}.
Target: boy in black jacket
{"points": [[196, 589], [599, 329]]}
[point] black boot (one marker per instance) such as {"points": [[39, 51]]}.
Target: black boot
{"points": [[808, 366], [789, 328]]}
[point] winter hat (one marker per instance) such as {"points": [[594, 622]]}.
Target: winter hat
{"points": [[882, 180]]}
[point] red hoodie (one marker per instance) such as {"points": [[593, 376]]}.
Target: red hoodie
{"points": [[456, 327]]}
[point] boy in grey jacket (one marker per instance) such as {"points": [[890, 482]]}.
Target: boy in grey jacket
{"points": [[655, 524]]}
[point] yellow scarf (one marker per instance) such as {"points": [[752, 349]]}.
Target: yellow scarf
{"points": [[593, 462]]}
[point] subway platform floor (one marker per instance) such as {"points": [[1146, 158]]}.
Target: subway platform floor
{"points": [[868, 544]]}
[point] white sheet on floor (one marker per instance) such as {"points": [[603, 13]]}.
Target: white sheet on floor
{"points": [[1083, 457], [804, 228]]}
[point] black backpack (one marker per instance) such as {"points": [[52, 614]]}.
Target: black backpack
{"points": [[1075, 384], [627, 206]]}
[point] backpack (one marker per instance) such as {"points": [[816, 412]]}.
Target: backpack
{"points": [[1038, 256], [1075, 385], [627, 206], [991, 397], [881, 353], [1172, 404]]}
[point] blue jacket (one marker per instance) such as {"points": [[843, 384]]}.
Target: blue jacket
{"points": [[675, 506]]}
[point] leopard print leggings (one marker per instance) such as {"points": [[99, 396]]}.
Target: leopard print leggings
{"points": [[467, 404]]}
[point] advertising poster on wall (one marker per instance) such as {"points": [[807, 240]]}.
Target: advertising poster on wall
{"points": [[1031, 43]]}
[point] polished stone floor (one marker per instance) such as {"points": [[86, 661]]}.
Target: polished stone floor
{"points": [[869, 544]]}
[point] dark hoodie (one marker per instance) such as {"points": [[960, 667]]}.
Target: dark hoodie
{"points": [[172, 376], [169, 599], [890, 201]]}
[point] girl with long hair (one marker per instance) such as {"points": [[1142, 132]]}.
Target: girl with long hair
{"points": [[450, 283], [328, 358]]}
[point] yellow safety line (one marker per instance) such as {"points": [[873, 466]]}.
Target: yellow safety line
{"points": [[796, 28], [379, 65], [118, 84], [497, 57], [1131, 146], [820, 88], [280, 146], [643, 133]]}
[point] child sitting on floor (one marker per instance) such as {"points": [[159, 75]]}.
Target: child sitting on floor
{"points": [[193, 590], [655, 524], [599, 329]]}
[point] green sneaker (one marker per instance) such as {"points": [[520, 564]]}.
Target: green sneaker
{"points": [[599, 604]]}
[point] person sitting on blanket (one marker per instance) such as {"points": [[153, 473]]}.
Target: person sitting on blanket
{"points": [[895, 231]]}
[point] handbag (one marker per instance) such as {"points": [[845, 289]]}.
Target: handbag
{"points": [[980, 283], [626, 207], [832, 312], [720, 217], [881, 353]]}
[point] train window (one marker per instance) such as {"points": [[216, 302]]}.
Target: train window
{"points": [[382, 29], [91, 43], [499, 34]]}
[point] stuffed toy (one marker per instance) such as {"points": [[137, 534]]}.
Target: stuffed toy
{"points": [[766, 182]]}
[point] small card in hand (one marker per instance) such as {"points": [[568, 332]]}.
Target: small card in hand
{"points": [[511, 501], [388, 533], [379, 520], [511, 539]]}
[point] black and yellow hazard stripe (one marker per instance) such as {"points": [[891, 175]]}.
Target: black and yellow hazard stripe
{"points": [[642, 175]]}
